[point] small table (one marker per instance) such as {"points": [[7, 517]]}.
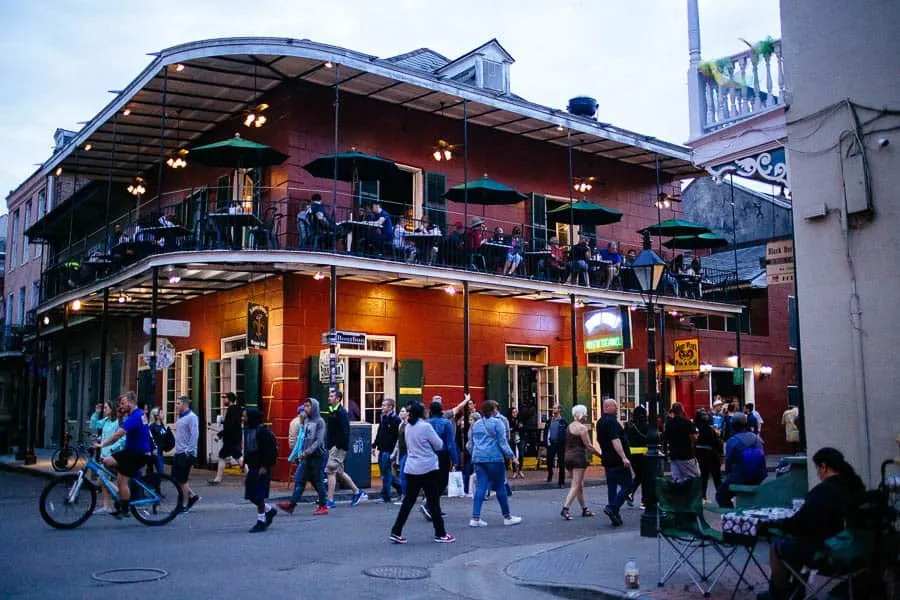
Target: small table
{"points": [[359, 229], [494, 253], [741, 528], [533, 258], [165, 233], [231, 223], [425, 244]]}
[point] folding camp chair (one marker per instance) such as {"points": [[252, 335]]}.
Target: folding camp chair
{"points": [[680, 522]]}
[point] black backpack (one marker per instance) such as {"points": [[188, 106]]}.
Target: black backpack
{"points": [[168, 440], [272, 456]]}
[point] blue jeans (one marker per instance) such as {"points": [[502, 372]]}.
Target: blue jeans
{"points": [[403, 475], [618, 484], [491, 474], [299, 483], [387, 474]]}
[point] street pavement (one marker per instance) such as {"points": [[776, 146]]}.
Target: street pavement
{"points": [[209, 552]]}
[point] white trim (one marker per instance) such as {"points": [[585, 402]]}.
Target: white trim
{"points": [[543, 350]]}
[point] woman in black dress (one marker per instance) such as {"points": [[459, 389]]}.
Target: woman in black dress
{"points": [[636, 430], [578, 445], [517, 440]]}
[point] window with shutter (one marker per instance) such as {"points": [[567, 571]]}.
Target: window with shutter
{"points": [[435, 203], [492, 74], [539, 232]]}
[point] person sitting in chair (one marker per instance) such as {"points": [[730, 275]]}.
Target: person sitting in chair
{"points": [[745, 462]]}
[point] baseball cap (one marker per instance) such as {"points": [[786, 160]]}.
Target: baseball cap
{"points": [[717, 403]]}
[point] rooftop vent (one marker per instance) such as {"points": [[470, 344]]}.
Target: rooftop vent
{"points": [[583, 106]]}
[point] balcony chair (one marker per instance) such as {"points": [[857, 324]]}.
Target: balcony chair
{"points": [[263, 235]]}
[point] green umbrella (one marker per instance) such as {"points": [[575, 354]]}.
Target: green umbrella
{"points": [[486, 192], [353, 166], [584, 213], [694, 242], [675, 227], [237, 153]]}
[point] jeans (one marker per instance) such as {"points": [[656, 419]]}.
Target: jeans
{"points": [[387, 474], [431, 483], [491, 474], [403, 476], [468, 469], [299, 483], [618, 484], [556, 453], [311, 470]]}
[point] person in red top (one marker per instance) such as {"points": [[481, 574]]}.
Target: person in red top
{"points": [[475, 237], [554, 265]]}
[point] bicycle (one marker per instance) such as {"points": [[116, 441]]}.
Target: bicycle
{"points": [[67, 456], [69, 500]]}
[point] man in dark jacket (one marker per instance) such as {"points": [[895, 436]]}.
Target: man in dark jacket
{"points": [[555, 443], [337, 438], [230, 434], [385, 441], [260, 455]]}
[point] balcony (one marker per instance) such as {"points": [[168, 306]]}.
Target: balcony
{"points": [[12, 341]]}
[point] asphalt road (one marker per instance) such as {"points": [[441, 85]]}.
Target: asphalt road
{"points": [[209, 552]]}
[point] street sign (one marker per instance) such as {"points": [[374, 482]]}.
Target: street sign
{"points": [[165, 353], [346, 338], [169, 327], [325, 361]]}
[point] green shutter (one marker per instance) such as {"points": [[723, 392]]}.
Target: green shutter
{"points": [[496, 385], [196, 392], [435, 203], [641, 386], [317, 389], [143, 391], [584, 391], [253, 380], [410, 379], [539, 233], [564, 385]]}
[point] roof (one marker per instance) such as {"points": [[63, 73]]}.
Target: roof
{"points": [[423, 59], [749, 260], [222, 77], [494, 44]]}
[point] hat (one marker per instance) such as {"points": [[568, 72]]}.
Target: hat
{"points": [[717, 403], [436, 398], [458, 224], [476, 221]]}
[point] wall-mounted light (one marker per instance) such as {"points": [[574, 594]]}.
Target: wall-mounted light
{"points": [[318, 276], [328, 64], [122, 299], [579, 304], [46, 320], [732, 360], [705, 369], [58, 171], [632, 308], [674, 313], [179, 67], [76, 305], [450, 290], [764, 371], [126, 112], [670, 369], [87, 147]]}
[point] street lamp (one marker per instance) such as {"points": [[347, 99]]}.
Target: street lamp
{"points": [[648, 269]]}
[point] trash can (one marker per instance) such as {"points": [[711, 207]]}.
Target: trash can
{"points": [[358, 463]]}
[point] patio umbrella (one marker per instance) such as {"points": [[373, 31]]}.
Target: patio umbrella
{"points": [[695, 242], [675, 227], [353, 166], [584, 213], [237, 153], [485, 191]]}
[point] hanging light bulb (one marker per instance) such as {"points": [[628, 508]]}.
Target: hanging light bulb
{"points": [[173, 279], [328, 64], [137, 188], [76, 305], [260, 121], [122, 299], [318, 276], [450, 290], [46, 320], [437, 155], [447, 154]]}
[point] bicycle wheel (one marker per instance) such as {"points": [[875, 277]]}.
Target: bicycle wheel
{"points": [[56, 508], [63, 460], [160, 509]]}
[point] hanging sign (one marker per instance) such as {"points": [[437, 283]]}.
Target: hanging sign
{"points": [[325, 363], [607, 329], [687, 355], [165, 353], [257, 326], [780, 262]]}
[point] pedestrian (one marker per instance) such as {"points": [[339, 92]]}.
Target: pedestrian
{"points": [[230, 434], [790, 420], [311, 442], [681, 436], [384, 444], [338, 441], [468, 469], [745, 461], [517, 440], [422, 474], [187, 434], [636, 433], [709, 451], [490, 450], [398, 456], [295, 441], [108, 425], [754, 421], [260, 455], [448, 455], [555, 442], [578, 445], [616, 460], [717, 418], [157, 432]]}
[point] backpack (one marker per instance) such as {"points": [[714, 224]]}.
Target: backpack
{"points": [[271, 458], [753, 466], [168, 440]]}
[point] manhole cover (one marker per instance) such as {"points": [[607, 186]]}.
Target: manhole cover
{"points": [[130, 575], [394, 572]]}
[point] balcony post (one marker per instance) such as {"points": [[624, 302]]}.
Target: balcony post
{"points": [[104, 335], [466, 337], [63, 383], [154, 299], [696, 91]]}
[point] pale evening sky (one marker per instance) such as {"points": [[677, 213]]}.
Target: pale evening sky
{"points": [[60, 58]]}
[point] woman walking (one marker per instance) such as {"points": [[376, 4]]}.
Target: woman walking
{"points": [[517, 441], [398, 456], [157, 432], [422, 473], [108, 425], [708, 450], [636, 431], [489, 449], [578, 444]]}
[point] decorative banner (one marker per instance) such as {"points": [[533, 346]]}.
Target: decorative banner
{"points": [[687, 355], [607, 329], [257, 326]]}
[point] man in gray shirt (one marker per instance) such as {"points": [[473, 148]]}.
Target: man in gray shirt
{"points": [[187, 433]]}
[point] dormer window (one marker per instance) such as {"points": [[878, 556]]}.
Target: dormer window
{"points": [[492, 75], [486, 67]]}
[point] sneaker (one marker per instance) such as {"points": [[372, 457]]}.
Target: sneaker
{"points": [[358, 497], [398, 502], [512, 520], [270, 516], [477, 523], [425, 512], [629, 498], [100, 509], [445, 539], [614, 517], [192, 501], [213, 482], [381, 500], [257, 527], [398, 539], [320, 511], [330, 504], [286, 507]]}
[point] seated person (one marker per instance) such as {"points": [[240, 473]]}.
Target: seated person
{"points": [[303, 225], [382, 235], [321, 227], [822, 516], [426, 226], [555, 264], [498, 237], [611, 255], [475, 237], [403, 248], [514, 254], [629, 258], [695, 268], [580, 257], [745, 462], [456, 244]]}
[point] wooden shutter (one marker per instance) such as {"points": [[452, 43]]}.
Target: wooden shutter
{"points": [[410, 379], [496, 385], [143, 391], [583, 393], [196, 391], [253, 380], [435, 203], [539, 233], [317, 389]]}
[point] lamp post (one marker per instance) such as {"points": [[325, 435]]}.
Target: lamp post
{"points": [[648, 269]]}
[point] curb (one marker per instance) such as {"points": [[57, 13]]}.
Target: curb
{"points": [[23, 470]]}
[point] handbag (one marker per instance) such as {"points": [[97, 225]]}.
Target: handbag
{"points": [[455, 485]]}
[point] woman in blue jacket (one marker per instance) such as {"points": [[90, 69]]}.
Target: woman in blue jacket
{"points": [[107, 426], [490, 450]]}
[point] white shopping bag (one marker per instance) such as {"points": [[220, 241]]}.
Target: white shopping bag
{"points": [[455, 485], [473, 483]]}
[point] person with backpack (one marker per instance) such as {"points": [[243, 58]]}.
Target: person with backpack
{"points": [[157, 433], [260, 455], [745, 461]]}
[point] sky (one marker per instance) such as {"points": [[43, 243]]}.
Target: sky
{"points": [[60, 58]]}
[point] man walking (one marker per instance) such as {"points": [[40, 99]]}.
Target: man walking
{"points": [[682, 436], [615, 456], [338, 441], [187, 433], [312, 453], [555, 442], [230, 436], [385, 441]]}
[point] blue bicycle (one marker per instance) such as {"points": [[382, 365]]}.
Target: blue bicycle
{"points": [[69, 500]]}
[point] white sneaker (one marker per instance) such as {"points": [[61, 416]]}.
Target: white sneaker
{"points": [[511, 520], [398, 502], [478, 523], [100, 509]]}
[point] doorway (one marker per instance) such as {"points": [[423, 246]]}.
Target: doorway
{"points": [[721, 382]]}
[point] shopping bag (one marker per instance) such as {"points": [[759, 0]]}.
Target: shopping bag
{"points": [[473, 483], [455, 485]]}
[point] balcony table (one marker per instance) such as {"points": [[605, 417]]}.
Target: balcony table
{"points": [[494, 254], [166, 234], [425, 243], [228, 224], [533, 258], [359, 229]]}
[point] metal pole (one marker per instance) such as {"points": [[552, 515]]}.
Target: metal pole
{"points": [[664, 389], [104, 335], [332, 330], [154, 298], [653, 460], [801, 425], [466, 337], [465, 167], [112, 161], [740, 318], [334, 181], [29, 458], [574, 332], [571, 202], [63, 382], [162, 140]]}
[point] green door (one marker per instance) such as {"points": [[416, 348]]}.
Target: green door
{"points": [[317, 389], [496, 385], [410, 380], [253, 380]]}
